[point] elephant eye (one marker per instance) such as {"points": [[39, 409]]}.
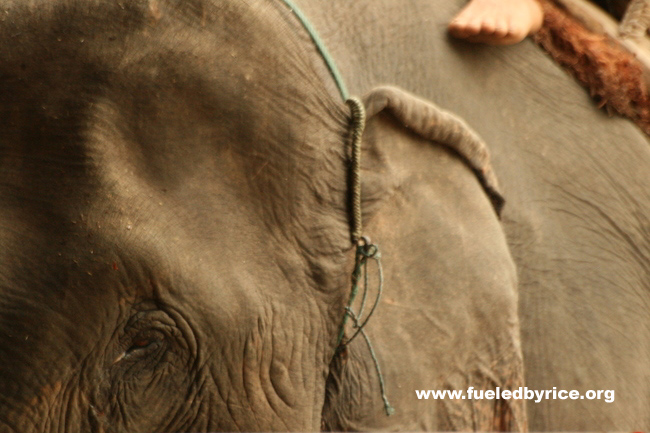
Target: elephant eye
{"points": [[148, 337], [142, 342], [143, 345]]}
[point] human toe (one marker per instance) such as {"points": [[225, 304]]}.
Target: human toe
{"points": [[517, 32], [484, 25], [501, 28]]}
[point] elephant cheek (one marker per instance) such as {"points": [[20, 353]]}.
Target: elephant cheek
{"points": [[58, 404]]}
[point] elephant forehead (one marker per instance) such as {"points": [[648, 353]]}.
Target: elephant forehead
{"points": [[163, 97], [252, 46], [161, 140]]}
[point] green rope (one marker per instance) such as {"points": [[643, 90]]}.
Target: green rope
{"points": [[329, 61], [390, 410], [365, 250], [359, 262], [365, 288], [369, 251]]}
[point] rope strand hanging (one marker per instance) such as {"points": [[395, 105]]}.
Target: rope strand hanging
{"points": [[365, 250]]}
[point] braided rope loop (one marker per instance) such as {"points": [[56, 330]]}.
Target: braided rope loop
{"points": [[358, 124]]}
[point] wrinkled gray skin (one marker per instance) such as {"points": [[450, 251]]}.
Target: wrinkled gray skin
{"points": [[174, 237]]}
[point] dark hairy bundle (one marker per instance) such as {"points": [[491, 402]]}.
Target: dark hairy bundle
{"points": [[613, 76]]}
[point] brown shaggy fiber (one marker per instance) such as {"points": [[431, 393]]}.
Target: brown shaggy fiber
{"points": [[612, 75]]}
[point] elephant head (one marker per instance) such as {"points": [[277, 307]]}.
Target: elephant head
{"points": [[174, 221]]}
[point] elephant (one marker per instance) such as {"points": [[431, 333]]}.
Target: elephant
{"points": [[175, 224]]}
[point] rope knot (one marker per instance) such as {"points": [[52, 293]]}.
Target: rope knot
{"points": [[369, 251]]}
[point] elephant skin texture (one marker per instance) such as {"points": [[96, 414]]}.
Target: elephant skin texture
{"points": [[175, 249]]}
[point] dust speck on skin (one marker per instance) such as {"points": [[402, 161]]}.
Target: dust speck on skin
{"points": [[154, 9]]}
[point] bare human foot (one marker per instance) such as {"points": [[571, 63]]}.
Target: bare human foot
{"points": [[497, 22]]}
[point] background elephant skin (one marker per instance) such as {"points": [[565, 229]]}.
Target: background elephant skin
{"points": [[575, 181], [174, 234]]}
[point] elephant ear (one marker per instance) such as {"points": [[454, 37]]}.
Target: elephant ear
{"points": [[430, 122]]}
